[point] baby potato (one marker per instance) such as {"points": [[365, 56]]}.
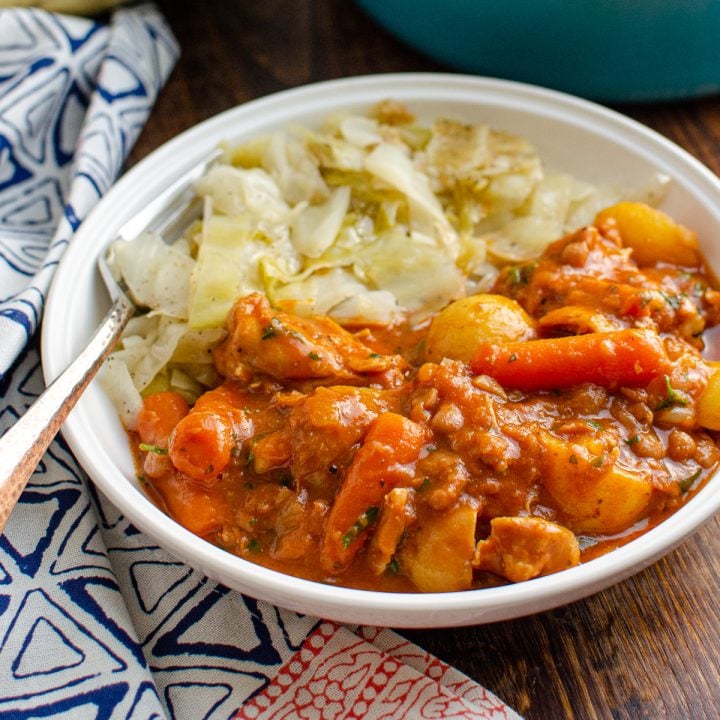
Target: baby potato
{"points": [[456, 331], [652, 235], [596, 499], [708, 405], [609, 503], [438, 558]]}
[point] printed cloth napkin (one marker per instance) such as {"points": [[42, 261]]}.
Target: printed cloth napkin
{"points": [[96, 621]]}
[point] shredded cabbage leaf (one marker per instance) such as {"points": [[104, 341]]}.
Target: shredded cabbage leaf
{"points": [[228, 266], [157, 274]]}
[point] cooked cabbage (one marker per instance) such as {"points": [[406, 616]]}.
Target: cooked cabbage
{"points": [[228, 266], [240, 192], [315, 227], [390, 164], [368, 219], [421, 276], [157, 274]]}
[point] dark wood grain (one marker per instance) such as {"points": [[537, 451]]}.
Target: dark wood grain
{"points": [[649, 646]]}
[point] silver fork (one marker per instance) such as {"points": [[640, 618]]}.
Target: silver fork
{"points": [[24, 444]]}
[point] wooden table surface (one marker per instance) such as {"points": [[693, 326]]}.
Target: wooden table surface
{"points": [[646, 648]]}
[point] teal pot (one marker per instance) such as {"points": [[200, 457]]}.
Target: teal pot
{"points": [[608, 50]]}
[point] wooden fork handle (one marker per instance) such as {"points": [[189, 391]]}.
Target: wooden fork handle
{"points": [[24, 444]]}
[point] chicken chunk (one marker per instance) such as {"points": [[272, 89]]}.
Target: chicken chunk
{"points": [[396, 514], [592, 269], [298, 526], [521, 548], [287, 347], [326, 425]]}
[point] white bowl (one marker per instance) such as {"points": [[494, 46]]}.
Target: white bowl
{"points": [[589, 141]]}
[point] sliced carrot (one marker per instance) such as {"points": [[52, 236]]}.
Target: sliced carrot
{"points": [[194, 507], [385, 460], [226, 398], [622, 357], [160, 413], [201, 445]]}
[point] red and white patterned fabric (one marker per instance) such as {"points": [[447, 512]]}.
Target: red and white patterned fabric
{"points": [[374, 674]]}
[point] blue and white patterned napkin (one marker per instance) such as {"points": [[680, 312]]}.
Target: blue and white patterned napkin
{"points": [[74, 95], [96, 621]]}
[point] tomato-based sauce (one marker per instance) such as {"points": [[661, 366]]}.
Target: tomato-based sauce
{"points": [[515, 434]]}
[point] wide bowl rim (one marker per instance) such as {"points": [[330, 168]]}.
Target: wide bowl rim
{"points": [[340, 603]]}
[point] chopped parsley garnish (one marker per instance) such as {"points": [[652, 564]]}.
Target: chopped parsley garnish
{"points": [[393, 566], [672, 396], [520, 274], [594, 424], [254, 545], [374, 355], [632, 440], [271, 330], [674, 301], [688, 482], [598, 461], [366, 520], [512, 358], [251, 443], [155, 449], [313, 356]]}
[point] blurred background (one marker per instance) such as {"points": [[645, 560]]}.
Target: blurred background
{"points": [[236, 51]]}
